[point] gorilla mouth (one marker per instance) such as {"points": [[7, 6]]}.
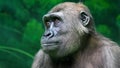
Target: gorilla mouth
{"points": [[46, 44], [50, 46]]}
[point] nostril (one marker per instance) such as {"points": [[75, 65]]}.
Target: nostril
{"points": [[48, 34]]}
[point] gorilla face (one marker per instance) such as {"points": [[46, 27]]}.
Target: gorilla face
{"points": [[65, 27]]}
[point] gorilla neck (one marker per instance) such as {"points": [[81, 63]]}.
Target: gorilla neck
{"points": [[63, 62]]}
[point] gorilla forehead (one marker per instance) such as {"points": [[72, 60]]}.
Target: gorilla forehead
{"points": [[69, 6]]}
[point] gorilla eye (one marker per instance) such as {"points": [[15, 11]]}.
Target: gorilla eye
{"points": [[56, 21], [47, 24]]}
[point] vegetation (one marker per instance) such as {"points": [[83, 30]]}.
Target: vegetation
{"points": [[21, 27]]}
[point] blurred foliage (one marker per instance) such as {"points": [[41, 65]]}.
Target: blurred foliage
{"points": [[104, 29], [21, 27]]}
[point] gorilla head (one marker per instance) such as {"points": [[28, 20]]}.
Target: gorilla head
{"points": [[67, 25]]}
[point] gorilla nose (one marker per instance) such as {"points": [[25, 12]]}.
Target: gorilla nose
{"points": [[48, 34]]}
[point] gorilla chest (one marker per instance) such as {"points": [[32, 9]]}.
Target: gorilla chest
{"points": [[72, 64], [86, 65], [65, 64], [81, 62], [79, 65]]}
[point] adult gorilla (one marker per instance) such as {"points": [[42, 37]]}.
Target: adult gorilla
{"points": [[70, 41]]}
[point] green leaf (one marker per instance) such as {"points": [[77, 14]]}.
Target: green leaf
{"points": [[17, 50]]}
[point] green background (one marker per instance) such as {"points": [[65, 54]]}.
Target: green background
{"points": [[21, 27]]}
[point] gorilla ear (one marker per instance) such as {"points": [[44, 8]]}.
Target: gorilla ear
{"points": [[84, 17]]}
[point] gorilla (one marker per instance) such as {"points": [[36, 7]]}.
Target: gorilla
{"points": [[71, 41]]}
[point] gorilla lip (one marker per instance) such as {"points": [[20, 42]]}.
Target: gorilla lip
{"points": [[49, 46], [50, 43]]}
